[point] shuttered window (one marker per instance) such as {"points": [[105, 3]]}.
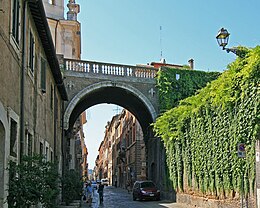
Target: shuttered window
{"points": [[43, 75], [31, 52], [13, 138], [15, 20]]}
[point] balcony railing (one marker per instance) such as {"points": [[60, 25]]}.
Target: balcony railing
{"points": [[109, 69]]}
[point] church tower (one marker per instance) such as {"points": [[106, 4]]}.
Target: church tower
{"points": [[73, 10], [66, 33]]}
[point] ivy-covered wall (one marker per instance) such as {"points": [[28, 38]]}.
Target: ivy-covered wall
{"points": [[177, 84], [201, 134]]}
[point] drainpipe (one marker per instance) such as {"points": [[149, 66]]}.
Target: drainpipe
{"points": [[62, 149], [56, 27], [22, 90]]}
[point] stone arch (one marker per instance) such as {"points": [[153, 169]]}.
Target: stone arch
{"points": [[107, 84]]}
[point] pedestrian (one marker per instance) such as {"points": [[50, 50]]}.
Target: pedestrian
{"points": [[128, 186], [88, 193], [116, 183], [101, 192]]}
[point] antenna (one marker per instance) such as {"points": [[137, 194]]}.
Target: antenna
{"points": [[161, 41], [117, 109]]}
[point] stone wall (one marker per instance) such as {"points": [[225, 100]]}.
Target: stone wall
{"points": [[204, 202]]}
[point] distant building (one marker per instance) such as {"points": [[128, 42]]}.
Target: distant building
{"points": [[122, 152], [131, 158], [163, 63]]}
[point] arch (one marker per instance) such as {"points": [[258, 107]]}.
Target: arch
{"points": [[120, 88]]}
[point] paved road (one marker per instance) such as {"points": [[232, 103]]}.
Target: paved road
{"points": [[120, 198]]}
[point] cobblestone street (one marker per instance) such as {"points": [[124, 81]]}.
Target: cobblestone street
{"points": [[120, 198]]}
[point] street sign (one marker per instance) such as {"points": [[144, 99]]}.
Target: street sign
{"points": [[241, 150]]}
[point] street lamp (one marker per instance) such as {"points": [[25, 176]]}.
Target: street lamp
{"points": [[222, 38]]}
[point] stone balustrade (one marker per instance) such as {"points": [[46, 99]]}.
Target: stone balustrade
{"points": [[109, 69]]}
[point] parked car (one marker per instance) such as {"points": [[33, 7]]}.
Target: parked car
{"points": [[145, 190], [94, 184], [104, 181]]}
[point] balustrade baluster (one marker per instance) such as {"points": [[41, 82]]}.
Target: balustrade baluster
{"points": [[97, 68], [66, 65]]}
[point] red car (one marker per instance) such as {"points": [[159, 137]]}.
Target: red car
{"points": [[145, 190]]}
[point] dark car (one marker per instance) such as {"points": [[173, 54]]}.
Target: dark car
{"points": [[145, 190]]}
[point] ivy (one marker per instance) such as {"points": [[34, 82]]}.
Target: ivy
{"points": [[201, 132], [177, 84]]}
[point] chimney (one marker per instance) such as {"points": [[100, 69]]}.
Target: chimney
{"points": [[191, 63], [163, 60]]}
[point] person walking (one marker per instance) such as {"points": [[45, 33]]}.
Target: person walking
{"points": [[101, 192], [89, 193], [128, 184]]}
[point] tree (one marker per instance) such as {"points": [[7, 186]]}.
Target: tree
{"points": [[33, 181]]}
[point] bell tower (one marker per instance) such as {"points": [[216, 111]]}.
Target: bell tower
{"points": [[74, 9]]}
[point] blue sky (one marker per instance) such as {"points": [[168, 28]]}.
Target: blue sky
{"points": [[128, 32]]}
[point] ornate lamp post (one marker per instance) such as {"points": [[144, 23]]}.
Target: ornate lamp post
{"points": [[222, 38]]}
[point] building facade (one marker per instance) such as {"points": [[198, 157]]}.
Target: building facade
{"points": [[122, 153], [31, 88]]}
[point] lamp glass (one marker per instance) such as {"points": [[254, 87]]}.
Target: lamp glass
{"points": [[222, 37]]}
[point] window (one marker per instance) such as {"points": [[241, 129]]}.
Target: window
{"points": [[13, 139], [43, 75], [47, 153], [15, 20], [41, 148], [51, 156], [51, 101], [31, 52], [51, 2], [29, 151]]}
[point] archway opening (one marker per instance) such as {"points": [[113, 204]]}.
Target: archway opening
{"points": [[134, 102], [110, 93], [124, 148]]}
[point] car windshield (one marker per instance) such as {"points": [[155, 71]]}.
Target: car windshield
{"points": [[147, 184]]}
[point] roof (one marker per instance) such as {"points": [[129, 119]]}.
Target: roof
{"points": [[40, 20], [159, 64]]}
